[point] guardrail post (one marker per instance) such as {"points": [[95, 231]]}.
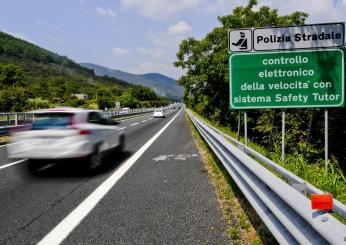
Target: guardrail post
{"points": [[326, 140], [283, 137], [15, 119], [8, 119], [245, 128]]}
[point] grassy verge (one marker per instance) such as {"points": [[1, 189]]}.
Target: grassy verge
{"points": [[244, 225], [314, 173]]}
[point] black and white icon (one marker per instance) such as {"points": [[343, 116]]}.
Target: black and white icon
{"points": [[240, 40]]}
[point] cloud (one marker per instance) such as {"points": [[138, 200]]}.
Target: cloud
{"points": [[318, 10], [60, 40], [119, 51], [156, 54], [160, 55], [160, 9], [107, 12], [179, 28]]}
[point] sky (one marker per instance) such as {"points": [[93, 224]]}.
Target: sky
{"points": [[137, 36]]}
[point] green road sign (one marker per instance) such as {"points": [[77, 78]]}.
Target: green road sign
{"points": [[292, 79]]}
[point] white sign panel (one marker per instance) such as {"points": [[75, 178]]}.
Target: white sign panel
{"points": [[240, 40], [299, 37]]}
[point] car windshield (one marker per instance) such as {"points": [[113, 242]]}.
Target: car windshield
{"points": [[158, 110], [51, 120]]}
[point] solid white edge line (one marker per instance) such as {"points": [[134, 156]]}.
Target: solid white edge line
{"points": [[67, 225], [11, 164], [8, 144], [134, 124]]}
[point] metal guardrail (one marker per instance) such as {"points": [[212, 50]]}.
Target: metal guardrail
{"points": [[17, 120], [285, 211], [121, 113]]}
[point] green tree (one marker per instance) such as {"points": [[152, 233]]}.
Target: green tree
{"points": [[11, 74], [37, 103], [13, 99], [127, 100]]}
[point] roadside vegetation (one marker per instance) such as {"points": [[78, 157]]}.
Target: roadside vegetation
{"points": [[314, 173], [244, 226], [33, 78]]}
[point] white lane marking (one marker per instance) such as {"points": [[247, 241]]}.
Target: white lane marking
{"points": [[11, 164], [181, 157], [134, 124], [8, 144], [144, 121], [66, 226], [122, 128], [150, 118]]}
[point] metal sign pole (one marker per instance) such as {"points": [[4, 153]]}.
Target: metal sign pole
{"points": [[238, 132], [283, 137], [245, 128], [326, 140]]}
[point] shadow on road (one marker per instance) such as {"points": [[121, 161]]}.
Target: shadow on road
{"points": [[74, 168]]}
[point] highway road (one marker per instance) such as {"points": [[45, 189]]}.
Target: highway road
{"points": [[154, 193]]}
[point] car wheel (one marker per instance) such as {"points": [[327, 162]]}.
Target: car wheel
{"points": [[122, 143], [95, 160]]}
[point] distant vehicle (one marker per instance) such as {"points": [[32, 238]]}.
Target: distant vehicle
{"points": [[159, 113], [67, 133]]}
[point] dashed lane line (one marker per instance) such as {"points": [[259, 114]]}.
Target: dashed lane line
{"points": [[69, 223], [8, 144], [134, 124], [11, 164]]}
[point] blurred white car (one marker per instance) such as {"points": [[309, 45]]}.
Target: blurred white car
{"points": [[65, 133], [159, 113]]}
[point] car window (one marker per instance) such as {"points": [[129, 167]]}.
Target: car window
{"points": [[51, 120], [95, 117], [99, 118]]}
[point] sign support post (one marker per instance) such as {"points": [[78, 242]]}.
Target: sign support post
{"points": [[283, 137], [245, 128], [238, 132], [326, 140]]}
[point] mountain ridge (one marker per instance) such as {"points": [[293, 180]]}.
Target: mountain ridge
{"points": [[160, 83]]}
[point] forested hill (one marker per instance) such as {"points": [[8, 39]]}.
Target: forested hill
{"points": [[161, 84], [32, 77]]}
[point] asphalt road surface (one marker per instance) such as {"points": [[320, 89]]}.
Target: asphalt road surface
{"points": [[154, 193]]}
